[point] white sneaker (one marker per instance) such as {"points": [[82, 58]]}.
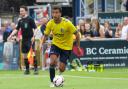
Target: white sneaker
{"points": [[52, 85]]}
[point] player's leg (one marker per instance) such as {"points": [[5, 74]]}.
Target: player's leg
{"points": [[61, 67], [26, 44], [64, 55], [26, 63], [54, 53], [53, 63]]}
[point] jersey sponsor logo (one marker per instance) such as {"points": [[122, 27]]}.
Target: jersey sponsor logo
{"points": [[59, 35]]}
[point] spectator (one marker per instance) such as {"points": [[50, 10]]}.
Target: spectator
{"points": [[81, 22], [108, 31], [97, 29], [7, 31], [118, 30], [41, 25], [43, 22], [82, 30], [14, 38], [124, 5], [124, 33], [88, 33]]}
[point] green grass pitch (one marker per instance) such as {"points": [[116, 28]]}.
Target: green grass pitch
{"points": [[108, 79]]}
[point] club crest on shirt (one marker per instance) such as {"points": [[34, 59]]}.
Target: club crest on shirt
{"points": [[25, 25], [62, 30]]}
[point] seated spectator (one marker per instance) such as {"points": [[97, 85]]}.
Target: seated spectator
{"points": [[108, 31], [118, 30], [97, 29]]}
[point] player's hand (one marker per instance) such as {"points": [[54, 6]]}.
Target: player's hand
{"points": [[79, 50]]}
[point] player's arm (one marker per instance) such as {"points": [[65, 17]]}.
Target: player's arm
{"points": [[77, 38], [46, 33], [33, 25], [12, 34], [78, 41], [76, 32]]}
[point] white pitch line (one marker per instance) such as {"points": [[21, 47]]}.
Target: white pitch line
{"points": [[12, 76], [22, 76], [105, 78]]}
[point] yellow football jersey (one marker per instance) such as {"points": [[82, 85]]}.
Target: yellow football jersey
{"points": [[62, 33]]}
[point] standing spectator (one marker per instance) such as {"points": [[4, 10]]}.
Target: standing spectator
{"points": [[124, 33], [14, 38], [43, 22], [127, 5], [41, 25], [124, 5], [7, 31]]}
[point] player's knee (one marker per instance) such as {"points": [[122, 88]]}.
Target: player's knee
{"points": [[52, 63], [53, 59], [61, 68], [52, 66]]}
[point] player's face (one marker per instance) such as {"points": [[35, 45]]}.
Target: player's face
{"points": [[56, 14], [22, 12]]}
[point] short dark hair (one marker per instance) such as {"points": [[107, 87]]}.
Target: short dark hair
{"points": [[57, 7], [24, 7]]}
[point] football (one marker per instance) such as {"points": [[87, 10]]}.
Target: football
{"points": [[58, 81]]}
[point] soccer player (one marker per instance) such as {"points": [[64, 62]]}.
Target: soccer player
{"points": [[62, 42], [27, 26]]}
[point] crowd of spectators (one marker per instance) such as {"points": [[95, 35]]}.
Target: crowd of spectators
{"points": [[92, 29], [89, 29]]}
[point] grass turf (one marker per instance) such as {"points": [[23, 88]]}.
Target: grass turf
{"points": [[108, 79]]}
